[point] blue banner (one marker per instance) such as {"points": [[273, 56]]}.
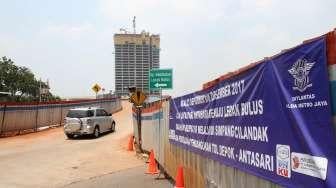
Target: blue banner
{"points": [[273, 120]]}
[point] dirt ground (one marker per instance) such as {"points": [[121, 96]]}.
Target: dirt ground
{"points": [[49, 159]]}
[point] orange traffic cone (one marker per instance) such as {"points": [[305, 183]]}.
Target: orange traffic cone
{"points": [[152, 167], [179, 178], [130, 144]]}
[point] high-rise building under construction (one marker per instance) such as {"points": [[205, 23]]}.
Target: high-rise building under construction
{"points": [[135, 55]]}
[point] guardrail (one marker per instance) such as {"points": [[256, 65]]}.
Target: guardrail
{"points": [[18, 118]]}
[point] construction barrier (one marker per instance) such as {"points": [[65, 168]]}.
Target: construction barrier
{"points": [[199, 170], [16, 118]]}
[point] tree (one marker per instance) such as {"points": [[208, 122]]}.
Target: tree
{"points": [[19, 81], [8, 76], [26, 83]]}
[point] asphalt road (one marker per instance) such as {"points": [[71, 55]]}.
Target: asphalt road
{"points": [[133, 177], [49, 159]]}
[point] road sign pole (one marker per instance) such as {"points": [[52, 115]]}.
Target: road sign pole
{"points": [[139, 129], [160, 111], [160, 107], [138, 98], [96, 88]]}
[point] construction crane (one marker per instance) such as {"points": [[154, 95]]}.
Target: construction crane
{"points": [[123, 30], [134, 31]]}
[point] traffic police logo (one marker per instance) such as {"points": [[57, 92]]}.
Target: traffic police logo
{"points": [[300, 71]]}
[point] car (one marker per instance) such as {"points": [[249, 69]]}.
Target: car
{"points": [[88, 121]]}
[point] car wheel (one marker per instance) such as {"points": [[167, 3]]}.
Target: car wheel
{"points": [[113, 127], [70, 136], [96, 132]]}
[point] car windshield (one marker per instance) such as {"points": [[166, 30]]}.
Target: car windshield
{"points": [[79, 113]]}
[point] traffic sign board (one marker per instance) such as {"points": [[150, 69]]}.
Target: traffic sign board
{"points": [[138, 98], [161, 79], [96, 88]]}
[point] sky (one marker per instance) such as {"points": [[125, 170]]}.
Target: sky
{"points": [[70, 42]]}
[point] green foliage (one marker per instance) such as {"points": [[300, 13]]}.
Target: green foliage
{"points": [[20, 82]]}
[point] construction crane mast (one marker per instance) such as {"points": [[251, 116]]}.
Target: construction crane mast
{"points": [[134, 31]]}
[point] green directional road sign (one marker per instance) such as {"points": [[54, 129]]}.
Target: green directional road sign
{"points": [[161, 79]]}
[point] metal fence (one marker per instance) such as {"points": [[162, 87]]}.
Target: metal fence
{"points": [[199, 171], [16, 118]]}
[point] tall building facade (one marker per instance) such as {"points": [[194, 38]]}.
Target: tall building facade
{"points": [[135, 55]]}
